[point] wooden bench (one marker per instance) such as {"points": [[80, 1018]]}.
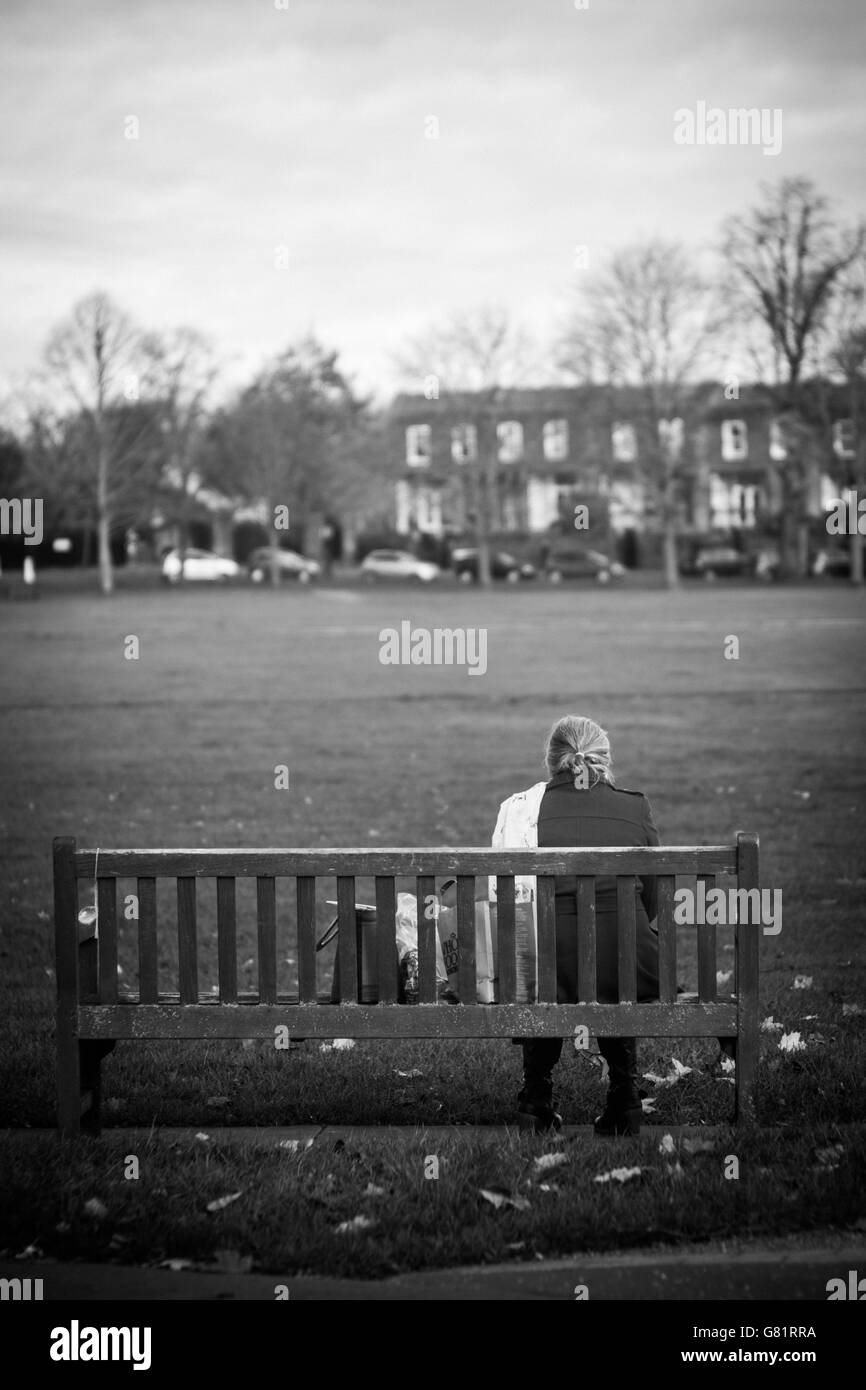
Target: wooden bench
{"points": [[92, 1014]]}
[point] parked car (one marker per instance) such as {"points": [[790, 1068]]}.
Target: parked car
{"points": [[573, 562], [291, 565], [832, 564], [714, 561], [198, 565], [397, 564], [464, 562]]}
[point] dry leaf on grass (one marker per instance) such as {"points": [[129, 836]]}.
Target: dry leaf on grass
{"points": [[667, 1145], [546, 1161], [499, 1197], [770, 1025], [414, 1072], [791, 1042], [802, 982], [98, 1210], [357, 1223], [619, 1175], [219, 1203]]}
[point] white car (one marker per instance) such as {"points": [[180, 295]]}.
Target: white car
{"points": [[198, 565], [397, 564]]}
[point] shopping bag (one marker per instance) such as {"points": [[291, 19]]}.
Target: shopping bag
{"points": [[446, 928]]}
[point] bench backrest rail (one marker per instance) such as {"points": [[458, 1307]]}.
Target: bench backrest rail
{"points": [[673, 866]]}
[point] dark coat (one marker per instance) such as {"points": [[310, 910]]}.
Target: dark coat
{"points": [[600, 815]]}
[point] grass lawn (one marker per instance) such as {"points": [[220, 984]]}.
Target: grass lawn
{"points": [[179, 748]]}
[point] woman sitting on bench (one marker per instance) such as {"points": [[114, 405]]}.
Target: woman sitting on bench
{"points": [[580, 805]]}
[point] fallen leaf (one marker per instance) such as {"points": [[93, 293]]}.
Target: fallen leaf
{"points": [[848, 1010], [499, 1197], [371, 1190], [292, 1145], [648, 1105], [175, 1265], [98, 1210], [546, 1161], [722, 976], [548, 1187], [219, 1203], [727, 1064], [202, 1138], [802, 982], [619, 1175], [357, 1223], [667, 1145], [791, 1042], [770, 1025], [414, 1072]]}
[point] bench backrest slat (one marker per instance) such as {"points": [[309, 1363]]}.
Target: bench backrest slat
{"points": [[466, 936], [187, 946], [425, 910], [626, 940], [148, 984], [305, 891], [667, 930], [546, 916], [106, 916], [587, 980], [506, 938], [386, 931], [266, 922], [347, 940], [227, 939], [706, 935]]}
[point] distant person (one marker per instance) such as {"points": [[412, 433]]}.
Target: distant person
{"points": [[580, 805]]}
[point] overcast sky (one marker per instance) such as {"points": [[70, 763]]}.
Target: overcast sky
{"points": [[304, 127]]}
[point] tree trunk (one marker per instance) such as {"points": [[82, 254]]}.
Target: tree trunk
{"points": [[106, 571], [671, 560]]}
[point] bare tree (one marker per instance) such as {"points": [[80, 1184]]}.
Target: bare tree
{"points": [[785, 260], [483, 352], [92, 361], [643, 326], [181, 369]]}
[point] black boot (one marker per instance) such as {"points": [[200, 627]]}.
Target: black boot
{"points": [[535, 1110], [622, 1111]]}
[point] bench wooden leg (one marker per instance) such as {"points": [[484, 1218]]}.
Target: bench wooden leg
{"points": [[68, 1086], [79, 1086]]}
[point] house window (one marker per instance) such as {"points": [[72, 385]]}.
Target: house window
{"points": [[418, 446], [464, 444], [555, 440], [778, 447], [671, 436], [509, 437], [732, 505], [624, 443], [843, 439], [735, 440]]}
